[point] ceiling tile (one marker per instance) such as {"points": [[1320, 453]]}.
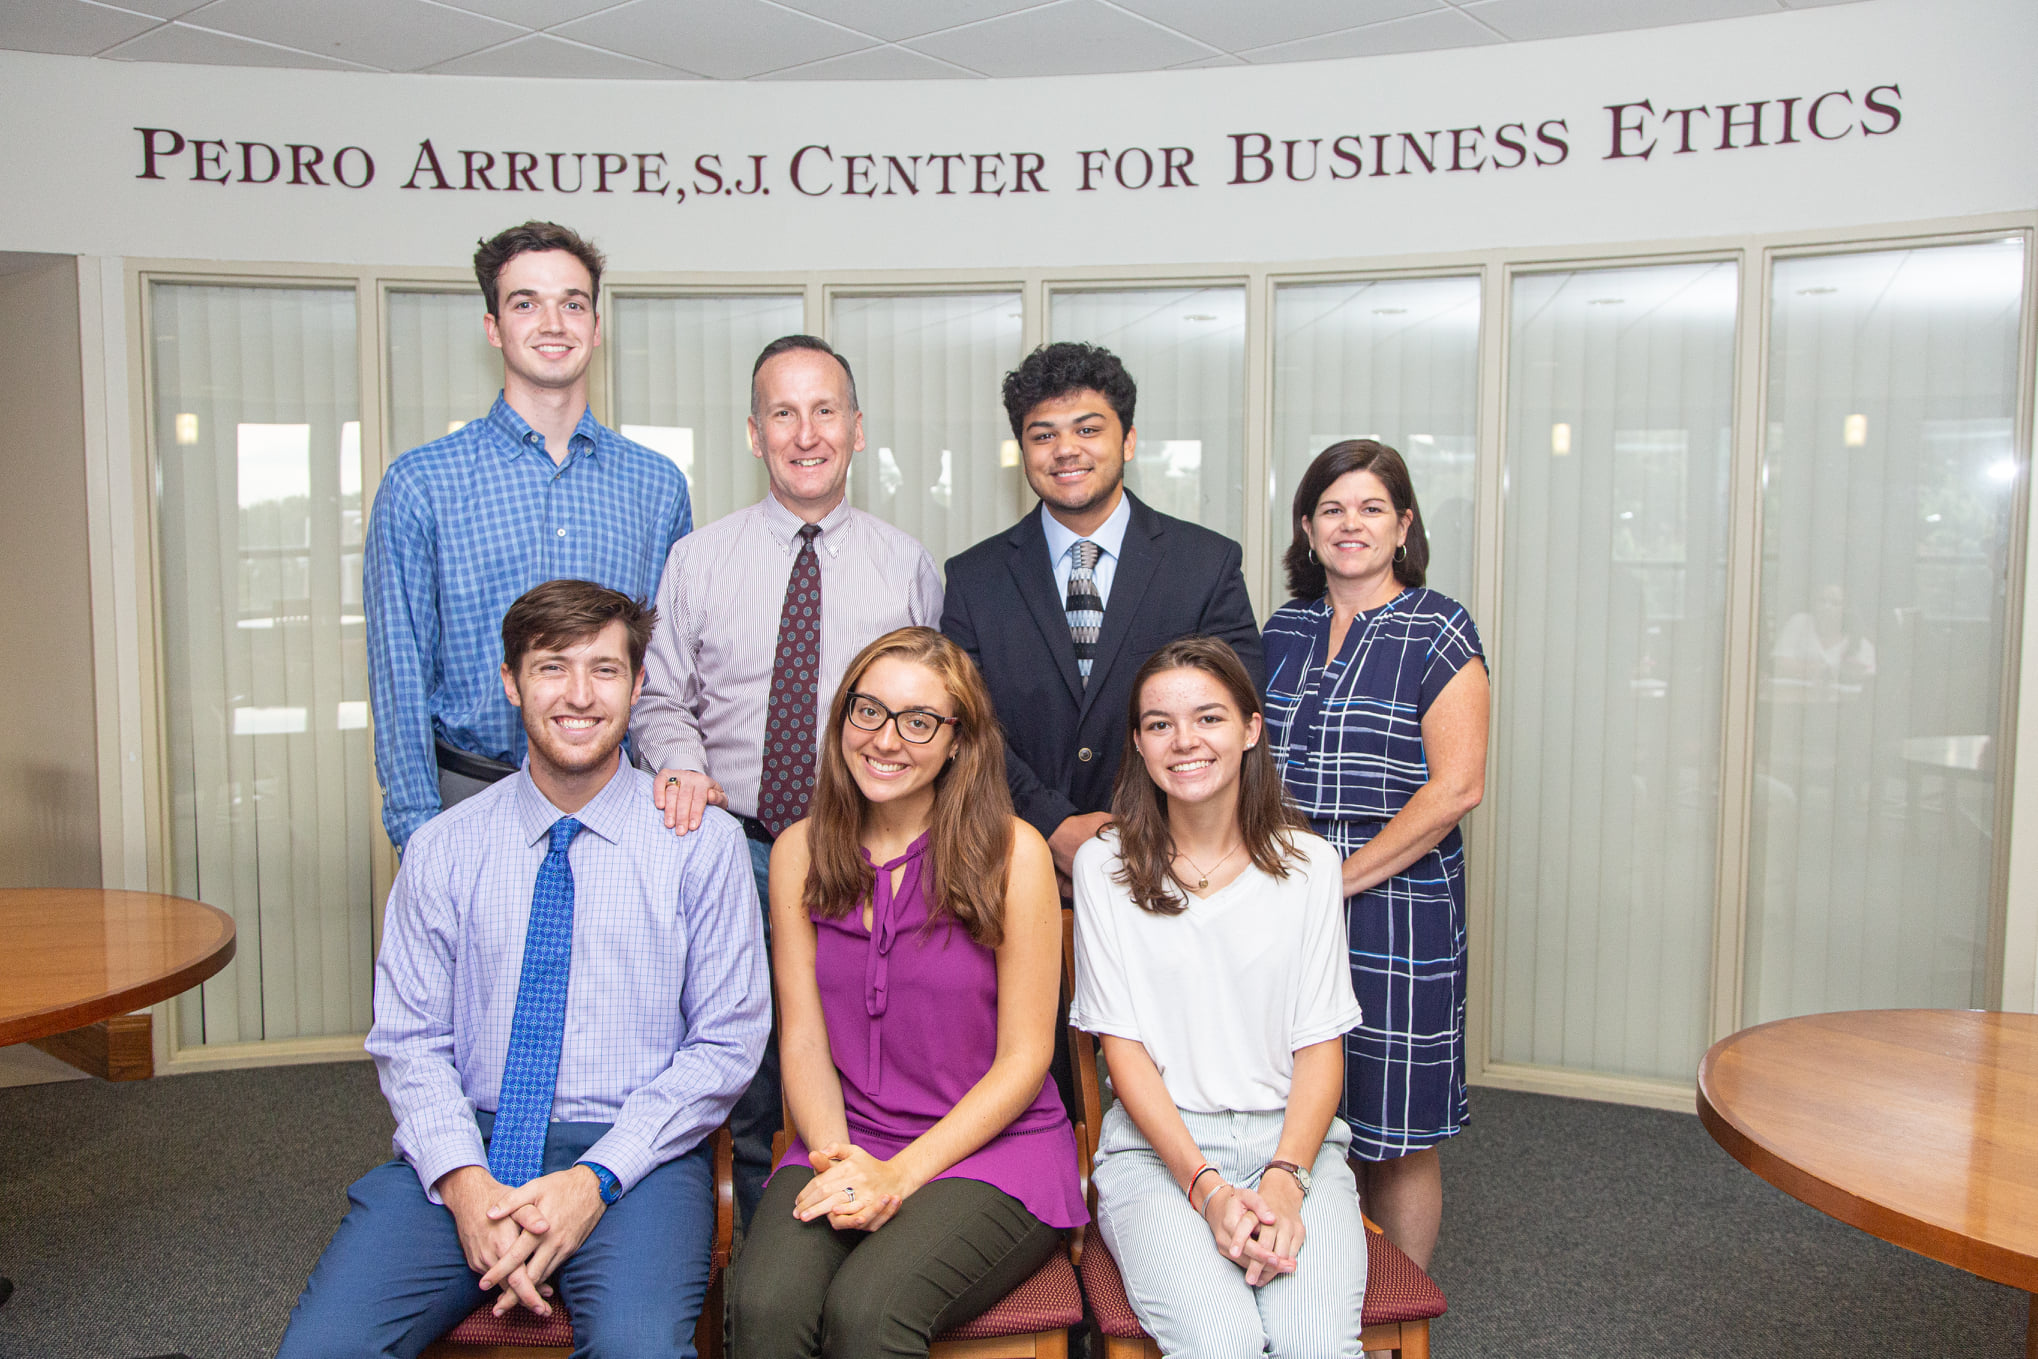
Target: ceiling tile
{"points": [[896, 19], [162, 9], [543, 55], [1210, 63], [875, 63], [67, 27], [1430, 32], [725, 39], [181, 43], [1527, 20], [1234, 27], [532, 13], [396, 35], [1071, 37]]}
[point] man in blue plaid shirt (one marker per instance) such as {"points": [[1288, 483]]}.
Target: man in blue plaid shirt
{"points": [[536, 490]]}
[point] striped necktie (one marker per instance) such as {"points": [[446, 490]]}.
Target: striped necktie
{"points": [[1084, 606], [530, 1069]]}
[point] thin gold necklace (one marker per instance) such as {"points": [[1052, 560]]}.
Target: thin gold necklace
{"points": [[1204, 881]]}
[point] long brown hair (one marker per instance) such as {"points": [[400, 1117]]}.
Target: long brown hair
{"points": [[1306, 578], [970, 848], [1266, 818]]}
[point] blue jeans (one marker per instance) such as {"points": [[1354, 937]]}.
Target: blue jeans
{"points": [[394, 1278], [758, 1114]]}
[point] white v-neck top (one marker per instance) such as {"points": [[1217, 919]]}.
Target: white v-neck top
{"points": [[1223, 994]]}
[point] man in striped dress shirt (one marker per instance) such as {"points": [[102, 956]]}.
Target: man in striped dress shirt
{"points": [[535, 490], [567, 1003]]}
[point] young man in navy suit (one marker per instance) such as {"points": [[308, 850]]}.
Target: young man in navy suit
{"points": [[1060, 611]]}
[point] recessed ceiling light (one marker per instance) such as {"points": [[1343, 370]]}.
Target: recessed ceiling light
{"points": [[1390, 311], [1199, 316], [1606, 301], [1815, 292]]}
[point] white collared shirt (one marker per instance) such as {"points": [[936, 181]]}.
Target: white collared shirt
{"points": [[1109, 538]]}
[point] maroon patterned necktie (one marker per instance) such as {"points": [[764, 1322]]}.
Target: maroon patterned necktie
{"points": [[790, 712]]}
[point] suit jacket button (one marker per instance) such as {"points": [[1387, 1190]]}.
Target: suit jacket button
{"points": [[1084, 755]]}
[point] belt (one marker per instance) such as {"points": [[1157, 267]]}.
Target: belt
{"points": [[757, 830], [468, 765]]}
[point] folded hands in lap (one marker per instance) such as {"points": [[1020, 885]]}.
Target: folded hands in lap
{"points": [[516, 1238], [876, 1188]]}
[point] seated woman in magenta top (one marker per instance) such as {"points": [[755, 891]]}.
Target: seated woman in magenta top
{"points": [[916, 932]]}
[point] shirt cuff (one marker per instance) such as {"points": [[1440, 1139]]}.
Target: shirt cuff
{"points": [[627, 1157], [445, 1152]]}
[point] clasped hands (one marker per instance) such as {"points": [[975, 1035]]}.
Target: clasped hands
{"points": [[516, 1238], [1261, 1229], [875, 1188]]}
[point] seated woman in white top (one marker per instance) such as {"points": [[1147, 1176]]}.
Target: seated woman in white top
{"points": [[1211, 959]]}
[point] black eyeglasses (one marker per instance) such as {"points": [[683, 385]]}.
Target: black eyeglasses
{"points": [[916, 725]]}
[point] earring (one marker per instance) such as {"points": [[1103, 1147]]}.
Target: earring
{"points": [[1401, 553], [1312, 555]]}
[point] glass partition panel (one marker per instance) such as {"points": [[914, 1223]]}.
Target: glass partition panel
{"points": [[1890, 470], [939, 460], [443, 372], [1605, 786], [679, 370], [1390, 359], [272, 800], [1185, 347]]}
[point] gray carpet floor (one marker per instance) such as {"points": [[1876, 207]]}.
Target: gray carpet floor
{"points": [[182, 1214]]}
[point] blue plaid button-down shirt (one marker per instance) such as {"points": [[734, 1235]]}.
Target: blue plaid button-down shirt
{"points": [[667, 1003], [460, 528]]}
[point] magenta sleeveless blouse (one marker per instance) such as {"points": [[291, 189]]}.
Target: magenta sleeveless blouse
{"points": [[912, 1017]]}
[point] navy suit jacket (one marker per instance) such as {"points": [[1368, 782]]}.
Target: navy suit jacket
{"points": [[1063, 741]]}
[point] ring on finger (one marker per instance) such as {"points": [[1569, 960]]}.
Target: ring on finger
{"points": [[849, 1193]]}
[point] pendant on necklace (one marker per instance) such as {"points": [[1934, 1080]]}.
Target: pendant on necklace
{"points": [[1202, 883]]}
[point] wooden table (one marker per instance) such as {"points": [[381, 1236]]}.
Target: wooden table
{"points": [[1917, 1126], [73, 957]]}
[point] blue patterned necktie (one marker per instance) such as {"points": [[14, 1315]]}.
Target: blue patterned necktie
{"points": [[530, 1070], [1084, 605]]}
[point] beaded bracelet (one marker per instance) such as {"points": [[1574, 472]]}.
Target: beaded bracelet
{"points": [[1190, 1192]]}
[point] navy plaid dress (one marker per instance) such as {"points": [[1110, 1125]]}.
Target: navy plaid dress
{"points": [[1346, 732]]}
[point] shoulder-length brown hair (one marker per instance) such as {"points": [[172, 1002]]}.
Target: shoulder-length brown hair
{"points": [[970, 847], [1305, 574], [1266, 818]]}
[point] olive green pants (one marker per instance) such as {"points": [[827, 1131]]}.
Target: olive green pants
{"points": [[803, 1290]]}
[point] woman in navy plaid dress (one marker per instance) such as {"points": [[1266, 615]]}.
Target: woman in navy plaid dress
{"points": [[1376, 714]]}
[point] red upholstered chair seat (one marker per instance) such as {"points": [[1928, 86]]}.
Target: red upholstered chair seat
{"points": [[1396, 1290], [1048, 1301], [1396, 1287], [483, 1327]]}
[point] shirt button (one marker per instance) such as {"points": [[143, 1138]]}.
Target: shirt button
{"points": [[1085, 755], [562, 533]]}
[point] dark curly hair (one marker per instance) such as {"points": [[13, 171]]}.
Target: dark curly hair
{"points": [[1055, 370], [492, 254], [1305, 573]]}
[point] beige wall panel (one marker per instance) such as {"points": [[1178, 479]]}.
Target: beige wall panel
{"points": [[49, 779]]}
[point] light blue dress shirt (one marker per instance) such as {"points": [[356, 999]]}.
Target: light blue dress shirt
{"points": [[459, 529], [668, 1001], [1109, 538]]}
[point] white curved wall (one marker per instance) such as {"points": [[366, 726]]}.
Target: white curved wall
{"points": [[1929, 115]]}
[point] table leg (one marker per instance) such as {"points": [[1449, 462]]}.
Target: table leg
{"points": [[2031, 1330]]}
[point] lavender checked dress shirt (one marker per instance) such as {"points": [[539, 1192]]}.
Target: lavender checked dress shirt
{"points": [[668, 1000]]}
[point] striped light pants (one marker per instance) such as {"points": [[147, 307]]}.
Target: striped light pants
{"points": [[1193, 1299]]}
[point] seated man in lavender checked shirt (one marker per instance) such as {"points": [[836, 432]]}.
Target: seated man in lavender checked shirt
{"points": [[568, 1001], [759, 614]]}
